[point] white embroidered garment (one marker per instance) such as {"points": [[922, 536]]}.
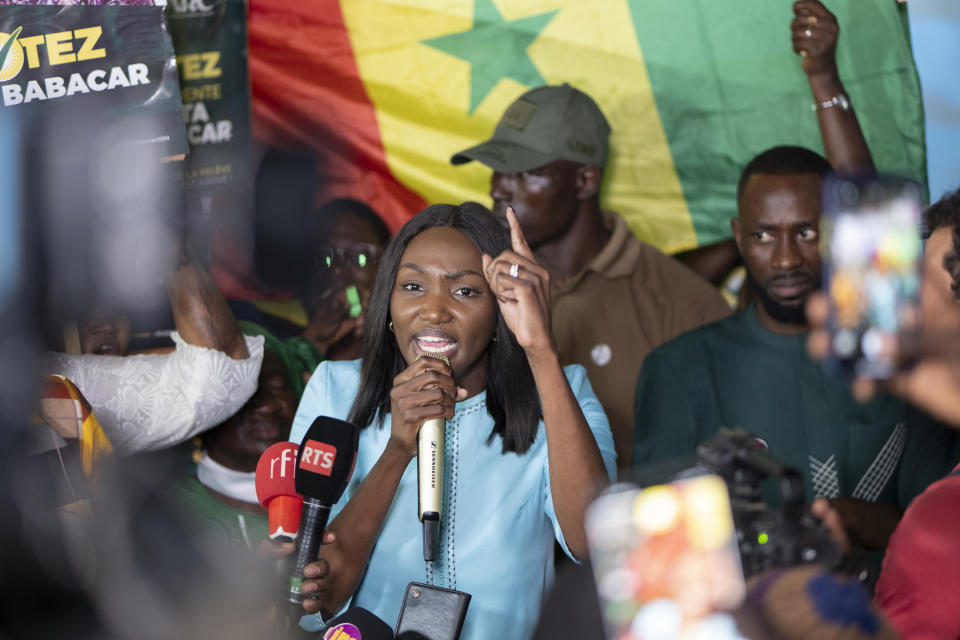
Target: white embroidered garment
{"points": [[151, 401]]}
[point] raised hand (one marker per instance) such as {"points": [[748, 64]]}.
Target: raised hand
{"points": [[522, 288], [315, 573], [814, 32], [314, 587], [930, 378], [330, 319]]}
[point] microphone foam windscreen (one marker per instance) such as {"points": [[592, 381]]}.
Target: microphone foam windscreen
{"points": [[326, 458], [275, 472], [276, 490], [358, 624]]}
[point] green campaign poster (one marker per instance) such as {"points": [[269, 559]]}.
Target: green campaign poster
{"points": [[210, 39]]}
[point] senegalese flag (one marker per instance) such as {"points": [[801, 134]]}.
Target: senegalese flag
{"points": [[63, 408], [388, 90], [66, 439]]}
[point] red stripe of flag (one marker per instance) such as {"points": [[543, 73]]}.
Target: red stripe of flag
{"points": [[307, 89]]}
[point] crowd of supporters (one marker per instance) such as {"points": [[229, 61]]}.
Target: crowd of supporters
{"points": [[574, 355]]}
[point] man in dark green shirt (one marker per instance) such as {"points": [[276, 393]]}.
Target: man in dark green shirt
{"points": [[752, 371]]}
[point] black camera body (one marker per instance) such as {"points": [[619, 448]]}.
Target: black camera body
{"points": [[768, 537]]}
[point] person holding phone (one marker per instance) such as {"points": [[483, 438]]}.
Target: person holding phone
{"points": [[527, 442], [921, 569]]}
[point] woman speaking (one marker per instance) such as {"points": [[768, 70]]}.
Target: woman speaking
{"points": [[527, 444]]}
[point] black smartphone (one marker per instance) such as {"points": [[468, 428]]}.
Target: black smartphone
{"points": [[871, 250], [431, 613]]}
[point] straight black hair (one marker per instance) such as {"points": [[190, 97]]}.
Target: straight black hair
{"points": [[512, 398]]}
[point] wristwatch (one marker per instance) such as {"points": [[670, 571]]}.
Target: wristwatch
{"points": [[840, 101]]}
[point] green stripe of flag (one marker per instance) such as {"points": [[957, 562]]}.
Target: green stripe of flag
{"points": [[728, 85]]}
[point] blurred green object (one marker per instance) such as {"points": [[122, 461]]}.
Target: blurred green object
{"points": [[298, 354], [353, 297]]}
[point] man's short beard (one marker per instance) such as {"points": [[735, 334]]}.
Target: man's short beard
{"points": [[788, 314]]}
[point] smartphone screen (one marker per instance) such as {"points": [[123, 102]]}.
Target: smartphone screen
{"points": [[665, 560], [871, 248]]}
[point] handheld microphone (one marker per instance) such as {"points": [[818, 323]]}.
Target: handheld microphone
{"points": [[277, 493], [324, 465], [357, 623], [430, 441]]}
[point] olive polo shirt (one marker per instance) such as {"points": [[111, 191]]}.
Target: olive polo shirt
{"points": [[629, 299]]}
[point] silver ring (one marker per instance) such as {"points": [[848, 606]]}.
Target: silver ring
{"points": [[807, 33], [514, 270]]}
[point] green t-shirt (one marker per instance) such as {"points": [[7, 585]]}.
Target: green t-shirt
{"points": [[215, 518], [735, 373]]}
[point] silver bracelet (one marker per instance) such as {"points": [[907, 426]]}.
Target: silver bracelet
{"points": [[840, 101]]}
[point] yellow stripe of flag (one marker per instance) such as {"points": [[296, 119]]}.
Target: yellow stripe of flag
{"points": [[422, 97]]}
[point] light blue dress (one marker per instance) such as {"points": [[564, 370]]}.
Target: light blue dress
{"points": [[498, 522]]}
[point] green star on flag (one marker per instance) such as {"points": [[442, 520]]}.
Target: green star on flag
{"points": [[495, 48]]}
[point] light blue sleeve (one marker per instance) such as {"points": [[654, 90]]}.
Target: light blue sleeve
{"points": [[599, 425], [313, 403]]}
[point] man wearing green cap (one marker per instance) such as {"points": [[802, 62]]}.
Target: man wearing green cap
{"points": [[613, 297]]}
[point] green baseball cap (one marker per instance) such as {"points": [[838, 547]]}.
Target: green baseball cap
{"points": [[543, 125]]}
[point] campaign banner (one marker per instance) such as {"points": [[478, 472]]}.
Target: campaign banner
{"points": [[210, 40], [111, 60]]}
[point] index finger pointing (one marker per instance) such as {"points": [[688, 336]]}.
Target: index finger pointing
{"points": [[517, 240]]}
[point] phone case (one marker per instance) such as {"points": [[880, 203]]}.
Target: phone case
{"points": [[431, 613], [871, 252], [665, 557]]}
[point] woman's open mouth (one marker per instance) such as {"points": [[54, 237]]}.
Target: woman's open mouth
{"points": [[434, 342]]}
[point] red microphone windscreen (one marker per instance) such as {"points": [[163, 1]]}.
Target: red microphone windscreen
{"points": [[276, 489]]}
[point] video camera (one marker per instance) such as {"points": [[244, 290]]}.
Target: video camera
{"points": [[767, 537]]}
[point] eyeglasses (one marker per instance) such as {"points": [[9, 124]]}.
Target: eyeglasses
{"points": [[361, 255]]}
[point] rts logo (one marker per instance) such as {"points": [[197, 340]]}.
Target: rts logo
{"points": [[318, 457]]}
